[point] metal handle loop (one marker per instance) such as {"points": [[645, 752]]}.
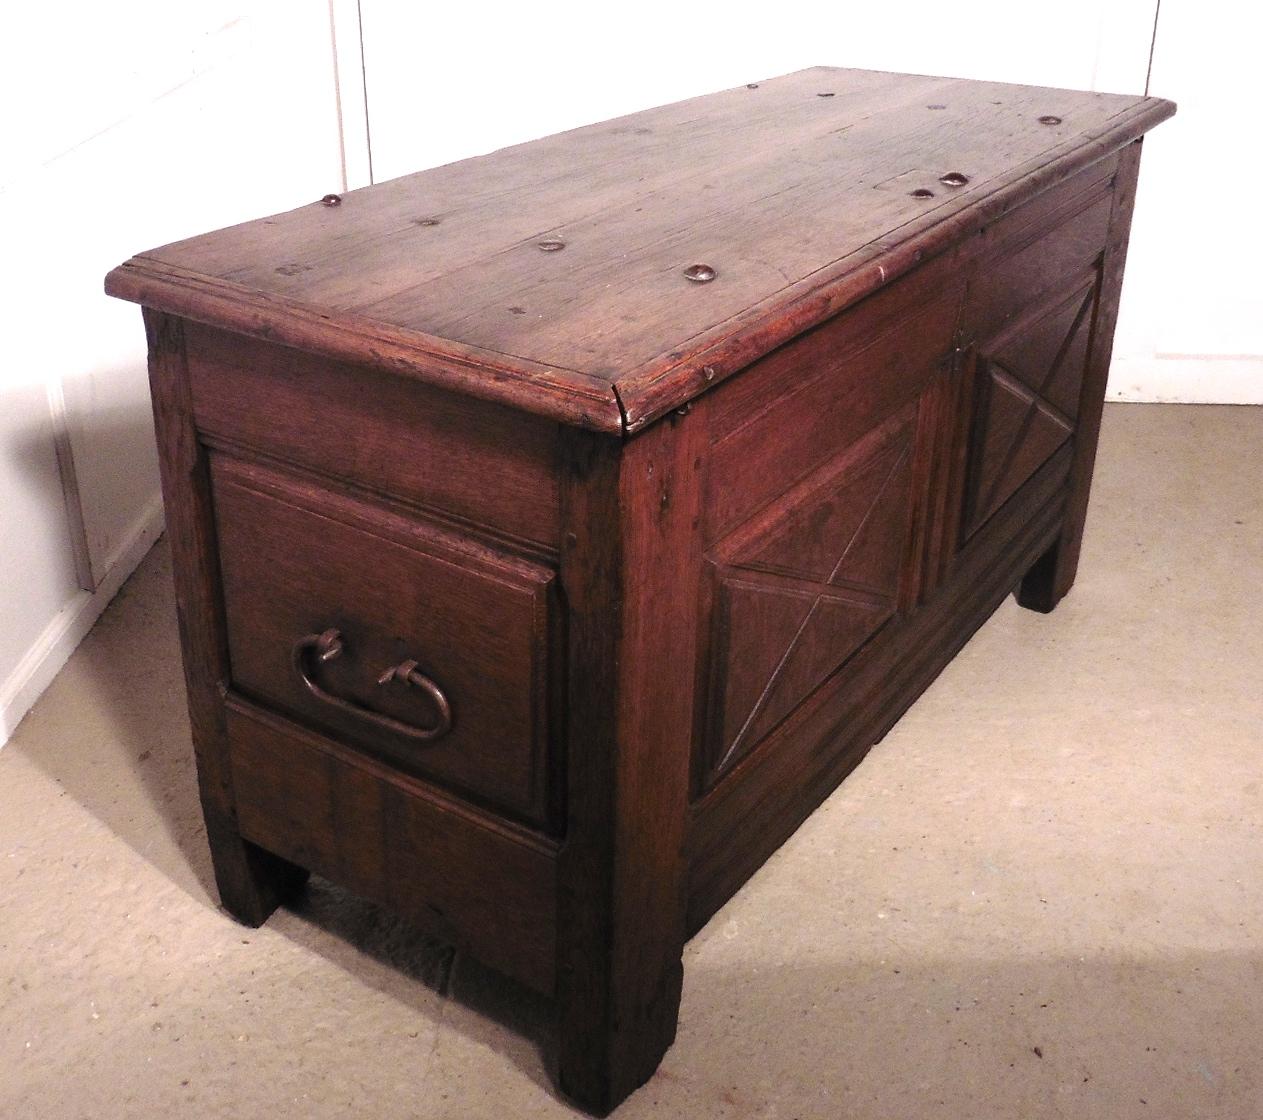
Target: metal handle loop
{"points": [[328, 645]]}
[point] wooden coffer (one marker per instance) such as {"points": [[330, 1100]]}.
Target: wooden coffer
{"points": [[555, 529]]}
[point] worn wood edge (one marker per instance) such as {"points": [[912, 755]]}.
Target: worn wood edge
{"points": [[251, 882], [415, 787], [556, 393], [591, 562], [629, 401], [622, 869], [453, 525], [661, 385], [402, 528]]}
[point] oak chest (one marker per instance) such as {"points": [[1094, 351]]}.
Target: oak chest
{"points": [[555, 529]]}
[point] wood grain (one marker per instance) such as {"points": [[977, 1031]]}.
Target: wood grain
{"points": [[251, 881], [607, 333], [1052, 577], [386, 435], [459, 874], [631, 564], [824, 390], [803, 585], [297, 560], [1015, 304]]}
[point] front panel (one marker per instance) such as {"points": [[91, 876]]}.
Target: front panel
{"points": [[876, 488]]}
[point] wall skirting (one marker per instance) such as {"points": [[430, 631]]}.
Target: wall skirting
{"points": [[50, 651], [1188, 379]]}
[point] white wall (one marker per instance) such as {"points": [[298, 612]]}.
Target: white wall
{"points": [[1191, 321], [540, 68], [126, 126]]}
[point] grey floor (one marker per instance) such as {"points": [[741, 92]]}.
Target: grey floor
{"points": [[1040, 896]]}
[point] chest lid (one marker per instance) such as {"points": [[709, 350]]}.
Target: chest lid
{"points": [[607, 275]]}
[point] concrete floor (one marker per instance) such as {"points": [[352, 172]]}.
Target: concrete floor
{"points": [[1040, 896]]}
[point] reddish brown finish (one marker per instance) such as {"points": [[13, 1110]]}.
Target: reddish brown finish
{"points": [[297, 560], [1049, 580], [554, 530], [387, 435], [803, 585], [251, 881], [828, 388], [631, 563], [1027, 402]]}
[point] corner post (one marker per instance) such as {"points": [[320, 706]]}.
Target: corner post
{"points": [[251, 881], [630, 568], [1052, 575]]}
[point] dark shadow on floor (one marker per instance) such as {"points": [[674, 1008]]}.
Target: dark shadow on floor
{"points": [[345, 929]]}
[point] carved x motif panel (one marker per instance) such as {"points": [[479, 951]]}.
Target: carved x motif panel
{"points": [[1030, 380], [798, 595]]}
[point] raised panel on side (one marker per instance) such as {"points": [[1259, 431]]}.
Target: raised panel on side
{"points": [[298, 560]]}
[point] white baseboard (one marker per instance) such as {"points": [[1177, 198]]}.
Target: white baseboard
{"points": [[51, 650], [1187, 380]]}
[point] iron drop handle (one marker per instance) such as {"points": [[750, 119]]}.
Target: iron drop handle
{"points": [[329, 645]]}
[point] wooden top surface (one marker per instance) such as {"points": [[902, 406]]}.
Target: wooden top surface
{"points": [[796, 191]]}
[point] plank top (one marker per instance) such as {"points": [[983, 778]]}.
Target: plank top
{"points": [[553, 275]]}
